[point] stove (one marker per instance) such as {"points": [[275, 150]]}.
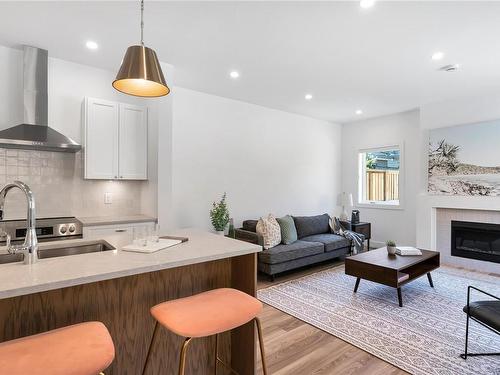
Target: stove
{"points": [[47, 229]]}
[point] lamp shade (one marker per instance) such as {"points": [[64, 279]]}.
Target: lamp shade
{"points": [[345, 199], [140, 74]]}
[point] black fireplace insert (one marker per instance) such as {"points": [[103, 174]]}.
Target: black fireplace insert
{"points": [[475, 240]]}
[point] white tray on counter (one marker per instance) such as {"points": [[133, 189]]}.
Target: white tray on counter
{"points": [[152, 247]]}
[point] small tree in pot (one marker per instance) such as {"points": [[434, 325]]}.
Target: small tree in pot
{"points": [[219, 215]]}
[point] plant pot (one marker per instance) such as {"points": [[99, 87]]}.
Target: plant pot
{"points": [[220, 232], [391, 250]]}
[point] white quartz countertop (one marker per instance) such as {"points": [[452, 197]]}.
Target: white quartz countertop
{"points": [[18, 279], [110, 220]]}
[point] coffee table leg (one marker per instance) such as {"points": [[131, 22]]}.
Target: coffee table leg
{"points": [[357, 284], [400, 298], [430, 279]]}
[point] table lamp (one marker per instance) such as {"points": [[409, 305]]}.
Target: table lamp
{"points": [[345, 200]]}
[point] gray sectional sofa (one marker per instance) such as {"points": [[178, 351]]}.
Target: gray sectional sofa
{"points": [[315, 244]]}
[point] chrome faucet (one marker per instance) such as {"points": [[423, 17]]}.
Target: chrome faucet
{"points": [[30, 245]]}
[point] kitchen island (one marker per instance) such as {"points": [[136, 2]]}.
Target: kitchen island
{"points": [[118, 288]]}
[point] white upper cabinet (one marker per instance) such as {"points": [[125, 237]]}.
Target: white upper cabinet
{"points": [[133, 149], [115, 140]]}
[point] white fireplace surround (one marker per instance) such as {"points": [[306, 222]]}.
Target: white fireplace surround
{"points": [[434, 216]]}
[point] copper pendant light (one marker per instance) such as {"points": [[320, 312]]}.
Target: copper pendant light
{"points": [[140, 73]]}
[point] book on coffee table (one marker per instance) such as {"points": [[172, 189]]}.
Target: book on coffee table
{"points": [[407, 250]]}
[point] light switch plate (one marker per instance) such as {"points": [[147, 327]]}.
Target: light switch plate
{"points": [[108, 198]]}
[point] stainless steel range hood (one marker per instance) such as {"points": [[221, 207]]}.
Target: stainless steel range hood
{"points": [[34, 133]]}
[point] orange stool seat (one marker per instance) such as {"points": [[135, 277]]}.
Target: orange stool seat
{"points": [[207, 313], [80, 349]]}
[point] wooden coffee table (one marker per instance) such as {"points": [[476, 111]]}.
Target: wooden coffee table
{"points": [[391, 270]]}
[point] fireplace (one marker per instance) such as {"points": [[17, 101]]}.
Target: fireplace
{"points": [[475, 240]]}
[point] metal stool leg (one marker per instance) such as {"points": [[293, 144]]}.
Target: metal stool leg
{"points": [[219, 360], [182, 360], [216, 352], [261, 345], [149, 349]]}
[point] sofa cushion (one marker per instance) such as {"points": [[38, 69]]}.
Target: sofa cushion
{"points": [[250, 225], [331, 241], [309, 225], [288, 230], [270, 230], [286, 253]]}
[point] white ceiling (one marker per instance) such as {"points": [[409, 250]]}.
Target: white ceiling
{"points": [[377, 60]]}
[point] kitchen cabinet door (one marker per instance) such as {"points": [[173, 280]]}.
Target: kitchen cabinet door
{"points": [[100, 139], [133, 144]]}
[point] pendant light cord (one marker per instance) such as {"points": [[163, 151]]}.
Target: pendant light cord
{"points": [[142, 22]]}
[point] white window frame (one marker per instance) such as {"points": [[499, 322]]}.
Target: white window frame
{"points": [[362, 178]]}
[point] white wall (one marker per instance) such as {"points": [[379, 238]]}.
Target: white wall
{"points": [[164, 154], [266, 160], [401, 128]]}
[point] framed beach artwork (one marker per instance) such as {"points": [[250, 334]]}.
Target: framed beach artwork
{"points": [[465, 160]]}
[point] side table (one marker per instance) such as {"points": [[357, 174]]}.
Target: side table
{"points": [[363, 228]]}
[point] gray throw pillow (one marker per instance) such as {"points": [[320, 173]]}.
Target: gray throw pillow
{"points": [[288, 230]]}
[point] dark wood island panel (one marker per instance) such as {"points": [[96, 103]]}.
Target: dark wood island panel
{"points": [[123, 305]]}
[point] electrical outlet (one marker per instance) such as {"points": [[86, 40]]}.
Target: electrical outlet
{"points": [[108, 198]]}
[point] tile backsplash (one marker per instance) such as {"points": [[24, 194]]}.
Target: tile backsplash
{"points": [[56, 179]]}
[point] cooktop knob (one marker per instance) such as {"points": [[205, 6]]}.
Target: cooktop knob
{"points": [[63, 230]]}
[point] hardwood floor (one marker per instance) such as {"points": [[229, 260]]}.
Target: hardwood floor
{"points": [[294, 347]]}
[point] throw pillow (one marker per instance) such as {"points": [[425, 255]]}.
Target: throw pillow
{"points": [[309, 225], [270, 231], [288, 230]]}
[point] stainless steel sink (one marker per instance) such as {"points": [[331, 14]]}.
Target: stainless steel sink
{"points": [[11, 258], [57, 251], [84, 248]]}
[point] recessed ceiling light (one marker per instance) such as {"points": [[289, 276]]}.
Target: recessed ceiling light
{"points": [[365, 4], [234, 74], [91, 44], [359, 112], [308, 97], [437, 55]]}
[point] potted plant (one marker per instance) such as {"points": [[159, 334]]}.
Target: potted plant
{"points": [[219, 215], [391, 247]]}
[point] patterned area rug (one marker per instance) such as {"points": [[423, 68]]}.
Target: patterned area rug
{"points": [[425, 336]]}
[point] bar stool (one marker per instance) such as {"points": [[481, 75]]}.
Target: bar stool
{"points": [[206, 314], [80, 349]]}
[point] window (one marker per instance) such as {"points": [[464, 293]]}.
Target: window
{"points": [[380, 176]]}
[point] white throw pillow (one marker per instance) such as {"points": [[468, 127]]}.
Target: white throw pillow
{"points": [[269, 228]]}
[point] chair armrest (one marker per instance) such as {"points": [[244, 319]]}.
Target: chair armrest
{"points": [[479, 290], [246, 235]]}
